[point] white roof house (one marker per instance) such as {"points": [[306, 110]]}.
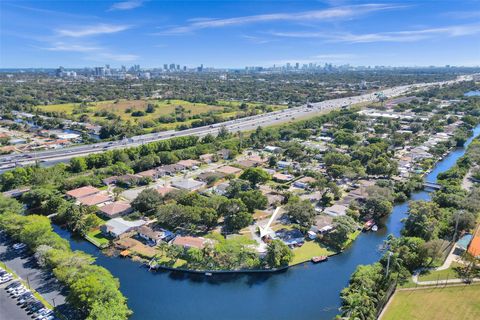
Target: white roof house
{"points": [[118, 226]]}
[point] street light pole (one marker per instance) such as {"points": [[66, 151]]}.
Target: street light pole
{"points": [[388, 262]]}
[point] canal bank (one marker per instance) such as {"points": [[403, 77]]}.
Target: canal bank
{"points": [[306, 291]]}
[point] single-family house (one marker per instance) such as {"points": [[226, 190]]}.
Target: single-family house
{"points": [[82, 192], [304, 182], [336, 210], [188, 184], [115, 209], [291, 237], [94, 199], [119, 227], [228, 170], [284, 164], [207, 158], [152, 236], [188, 242], [280, 177], [272, 149], [189, 164]]}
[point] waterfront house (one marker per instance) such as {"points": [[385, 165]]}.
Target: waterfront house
{"points": [[291, 237], [336, 210], [119, 227], [188, 242], [115, 209], [152, 236]]}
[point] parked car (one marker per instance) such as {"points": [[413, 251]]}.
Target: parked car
{"points": [[35, 307], [19, 292], [19, 246], [13, 285], [6, 279], [43, 313], [28, 302], [24, 297]]}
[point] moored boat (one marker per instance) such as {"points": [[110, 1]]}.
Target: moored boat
{"points": [[319, 259], [368, 225], [375, 228]]}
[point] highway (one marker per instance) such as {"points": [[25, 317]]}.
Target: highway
{"points": [[243, 124]]}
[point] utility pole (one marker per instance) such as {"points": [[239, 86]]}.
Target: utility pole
{"points": [[456, 226]]}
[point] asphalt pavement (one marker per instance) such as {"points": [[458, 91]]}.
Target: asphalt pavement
{"points": [[25, 267], [8, 306]]}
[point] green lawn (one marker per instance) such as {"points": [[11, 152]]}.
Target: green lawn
{"points": [[449, 303], [97, 238], [351, 237], [307, 251], [449, 273]]}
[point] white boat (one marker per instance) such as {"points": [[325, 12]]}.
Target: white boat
{"points": [[375, 228], [209, 274]]}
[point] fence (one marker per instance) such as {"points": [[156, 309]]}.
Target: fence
{"points": [[388, 294]]}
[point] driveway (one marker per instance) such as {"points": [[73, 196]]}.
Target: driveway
{"points": [[25, 266]]}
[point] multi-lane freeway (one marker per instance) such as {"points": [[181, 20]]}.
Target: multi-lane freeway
{"points": [[243, 124]]}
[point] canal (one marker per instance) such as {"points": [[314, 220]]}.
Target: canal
{"points": [[303, 292]]}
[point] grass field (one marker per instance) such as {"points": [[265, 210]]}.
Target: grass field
{"points": [[450, 303], [97, 238], [449, 273], [162, 108], [307, 251]]}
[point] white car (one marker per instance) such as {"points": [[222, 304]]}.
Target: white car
{"points": [[19, 246], [19, 292], [43, 313]]}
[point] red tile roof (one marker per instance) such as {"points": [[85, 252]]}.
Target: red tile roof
{"points": [[115, 208], [82, 192], [190, 242], [94, 199]]}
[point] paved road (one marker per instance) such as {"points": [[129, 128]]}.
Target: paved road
{"points": [[244, 124], [8, 306], [24, 265]]}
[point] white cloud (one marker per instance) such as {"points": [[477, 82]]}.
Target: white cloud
{"points": [[396, 36], [315, 15], [92, 30], [72, 47], [126, 5]]}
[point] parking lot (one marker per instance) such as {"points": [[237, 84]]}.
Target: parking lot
{"points": [[25, 267], [8, 306]]}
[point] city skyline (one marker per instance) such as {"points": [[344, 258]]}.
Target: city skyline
{"points": [[225, 34]]}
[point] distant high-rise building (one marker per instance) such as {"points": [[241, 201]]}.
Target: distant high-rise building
{"points": [[184, 68], [172, 66], [297, 65], [165, 66], [59, 71], [99, 71]]}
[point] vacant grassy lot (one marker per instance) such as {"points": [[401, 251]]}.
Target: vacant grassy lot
{"points": [[450, 303], [307, 251], [125, 109]]}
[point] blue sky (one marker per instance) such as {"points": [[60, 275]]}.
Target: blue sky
{"points": [[238, 33]]}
